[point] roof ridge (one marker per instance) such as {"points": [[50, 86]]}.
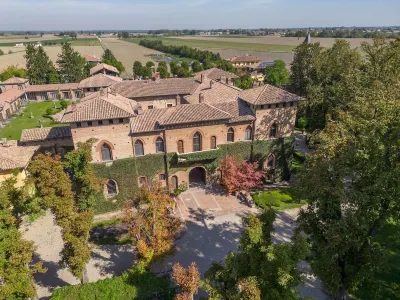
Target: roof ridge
{"points": [[230, 115], [259, 95]]}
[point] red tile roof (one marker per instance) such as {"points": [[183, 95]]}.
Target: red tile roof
{"points": [[238, 110], [47, 133], [147, 121], [215, 74], [13, 156], [11, 95], [101, 67], [267, 94], [52, 87], [15, 80], [245, 58], [99, 80]]}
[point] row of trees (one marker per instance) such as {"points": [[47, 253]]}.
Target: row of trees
{"points": [[207, 58], [12, 71], [343, 33], [66, 187]]}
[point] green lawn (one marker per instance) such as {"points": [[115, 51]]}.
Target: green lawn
{"points": [[24, 121], [279, 199], [386, 283], [204, 44], [132, 285]]}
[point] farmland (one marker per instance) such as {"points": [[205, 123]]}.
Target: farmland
{"points": [[17, 58], [128, 53]]}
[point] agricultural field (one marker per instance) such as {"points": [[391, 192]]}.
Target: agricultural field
{"points": [[21, 38], [128, 53], [273, 40], [17, 58]]}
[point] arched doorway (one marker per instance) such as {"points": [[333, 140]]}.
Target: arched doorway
{"points": [[174, 182], [197, 177]]}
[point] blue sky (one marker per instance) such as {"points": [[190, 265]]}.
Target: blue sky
{"points": [[199, 14]]}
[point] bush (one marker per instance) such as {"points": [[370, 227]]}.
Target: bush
{"points": [[300, 156], [49, 111], [277, 199], [64, 104], [1, 52]]}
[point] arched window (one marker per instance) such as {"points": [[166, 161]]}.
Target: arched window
{"points": [[248, 134], [180, 147], [213, 142], [111, 188], [106, 153], [273, 131], [231, 135], [159, 145], [196, 142], [139, 148]]}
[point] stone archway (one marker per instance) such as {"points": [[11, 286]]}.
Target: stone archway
{"points": [[197, 177]]}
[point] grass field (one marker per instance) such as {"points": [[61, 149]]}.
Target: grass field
{"points": [[13, 129], [128, 53], [207, 43]]}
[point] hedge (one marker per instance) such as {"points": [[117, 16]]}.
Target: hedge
{"points": [[126, 171]]}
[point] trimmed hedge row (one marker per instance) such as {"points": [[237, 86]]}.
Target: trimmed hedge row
{"points": [[126, 171]]}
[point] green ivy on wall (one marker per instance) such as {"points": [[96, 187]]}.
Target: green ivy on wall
{"points": [[126, 171]]}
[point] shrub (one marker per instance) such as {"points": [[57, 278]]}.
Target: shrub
{"points": [[49, 111], [272, 198], [64, 104], [1, 52]]}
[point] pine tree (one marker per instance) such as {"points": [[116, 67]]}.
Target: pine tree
{"points": [[72, 64], [38, 65]]}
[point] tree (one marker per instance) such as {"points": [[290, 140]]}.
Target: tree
{"points": [[163, 70], [239, 176], [71, 63], [185, 66], [151, 226], [244, 82], [71, 210], [12, 71], [108, 55], [63, 104], [1, 52], [150, 64], [54, 76], [277, 74], [16, 271], [352, 180], [261, 269], [38, 65], [197, 67], [146, 72], [188, 279], [137, 68], [109, 59], [302, 122]]}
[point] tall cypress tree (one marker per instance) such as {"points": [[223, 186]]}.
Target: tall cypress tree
{"points": [[38, 65], [72, 64]]}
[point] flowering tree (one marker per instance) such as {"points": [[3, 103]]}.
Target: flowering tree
{"points": [[188, 279], [242, 176]]}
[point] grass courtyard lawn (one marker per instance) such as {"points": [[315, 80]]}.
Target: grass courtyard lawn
{"points": [[386, 283], [205, 44], [24, 121], [279, 199], [132, 285]]}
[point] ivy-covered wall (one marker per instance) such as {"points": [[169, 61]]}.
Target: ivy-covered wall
{"points": [[126, 171]]}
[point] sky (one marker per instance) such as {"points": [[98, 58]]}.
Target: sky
{"points": [[51, 15]]}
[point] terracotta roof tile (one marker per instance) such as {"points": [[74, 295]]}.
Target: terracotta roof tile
{"points": [[52, 87], [192, 113], [11, 95], [162, 87], [219, 93], [102, 66], [91, 58], [99, 80], [47, 133], [268, 94], [215, 74], [245, 58], [15, 80], [99, 107], [147, 121], [13, 156], [238, 110]]}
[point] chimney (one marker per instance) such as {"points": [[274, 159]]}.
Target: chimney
{"points": [[178, 100], [211, 84], [201, 98], [202, 78], [140, 110], [73, 106], [4, 142], [227, 80], [223, 79]]}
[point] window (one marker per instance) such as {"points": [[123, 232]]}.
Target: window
{"points": [[111, 121], [159, 145], [89, 124], [169, 105], [284, 104], [120, 121], [78, 125], [142, 181], [213, 142], [100, 122], [180, 147], [273, 131], [106, 154], [161, 177], [65, 95], [196, 142], [269, 105], [111, 186], [150, 107], [77, 94], [247, 135], [291, 103], [139, 148], [231, 135]]}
